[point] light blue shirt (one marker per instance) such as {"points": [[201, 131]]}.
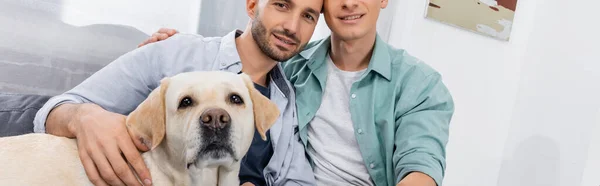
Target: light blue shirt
{"points": [[123, 84]]}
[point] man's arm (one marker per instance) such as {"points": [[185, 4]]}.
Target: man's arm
{"points": [[422, 132], [119, 87], [58, 124], [417, 179], [94, 113]]}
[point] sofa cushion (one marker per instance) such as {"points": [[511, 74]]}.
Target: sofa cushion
{"points": [[17, 112]]}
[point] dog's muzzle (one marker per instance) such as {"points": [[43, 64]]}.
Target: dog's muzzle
{"points": [[215, 125]]}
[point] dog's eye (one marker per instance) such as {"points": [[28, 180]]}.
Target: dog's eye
{"points": [[236, 99], [185, 102]]}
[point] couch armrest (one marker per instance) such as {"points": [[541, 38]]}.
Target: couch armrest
{"points": [[17, 112]]}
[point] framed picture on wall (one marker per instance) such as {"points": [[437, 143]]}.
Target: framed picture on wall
{"points": [[492, 18]]}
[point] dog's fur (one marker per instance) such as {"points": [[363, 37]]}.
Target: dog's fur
{"points": [[178, 142]]}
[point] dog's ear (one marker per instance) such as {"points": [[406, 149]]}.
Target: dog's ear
{"points": [[147, 123], [265, 111]]}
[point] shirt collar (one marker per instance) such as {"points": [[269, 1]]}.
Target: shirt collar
{"points": [[318, 50], [228, 54], [380, 59]]}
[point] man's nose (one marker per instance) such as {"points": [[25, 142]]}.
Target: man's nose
{"points": [[215, 118], [292, 25], [350, 4]]}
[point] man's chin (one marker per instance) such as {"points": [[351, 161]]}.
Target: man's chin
{"points": [[351, 34], [281, 56]]}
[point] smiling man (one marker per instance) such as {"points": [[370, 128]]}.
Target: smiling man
{"points": [[369, 114], [94, 111]]}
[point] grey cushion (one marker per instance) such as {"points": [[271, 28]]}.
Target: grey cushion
{"points": [[17, 112]]}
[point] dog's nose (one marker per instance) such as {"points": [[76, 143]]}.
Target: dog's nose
{"points": [[215, 118]]}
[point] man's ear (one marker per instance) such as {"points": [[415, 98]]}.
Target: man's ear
{"points": [[252, 8], [384, 4], [147, 123], [265, 111]]}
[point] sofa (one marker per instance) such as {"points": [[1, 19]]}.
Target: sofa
{"points": [[42, 56]]}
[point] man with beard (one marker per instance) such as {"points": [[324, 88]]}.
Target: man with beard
{"points": [[94, 111]]}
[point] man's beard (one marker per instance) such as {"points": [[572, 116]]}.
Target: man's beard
{"points": [[260, 35]]}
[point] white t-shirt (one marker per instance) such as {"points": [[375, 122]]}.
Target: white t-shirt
{"points": [[332, 142]]}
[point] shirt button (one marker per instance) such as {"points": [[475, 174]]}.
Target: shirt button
{"points": [[372, 165], [353, 95], [222, 64], [360, 131]]}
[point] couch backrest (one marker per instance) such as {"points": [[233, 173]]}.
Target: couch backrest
{"points": [[40, 54]]}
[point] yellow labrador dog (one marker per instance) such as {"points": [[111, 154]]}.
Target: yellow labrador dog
{"points": [[199, 125]]}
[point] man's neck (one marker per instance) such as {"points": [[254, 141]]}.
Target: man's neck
{"points": [[352, 55], [255, 63]]}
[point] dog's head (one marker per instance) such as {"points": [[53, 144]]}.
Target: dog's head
{"points": [[203, 118]]}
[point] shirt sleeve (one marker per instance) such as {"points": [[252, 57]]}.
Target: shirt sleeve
{"points": [[118, 87], [422, 131]]}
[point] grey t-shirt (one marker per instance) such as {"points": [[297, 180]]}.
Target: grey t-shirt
{"points": [[332, 144]]}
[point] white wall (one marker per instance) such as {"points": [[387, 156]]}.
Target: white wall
{"points": [[482, 74], [209, 18], [145, 15], [592, 165], [321, 30], [558, 101], [509, 116]]}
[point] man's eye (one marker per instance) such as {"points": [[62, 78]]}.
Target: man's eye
{"points": [[309, 17], [281, 5]]}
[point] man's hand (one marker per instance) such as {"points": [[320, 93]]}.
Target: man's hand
{"points": [[417, 179], [102, 138], [247, 184], [160, 35]]}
